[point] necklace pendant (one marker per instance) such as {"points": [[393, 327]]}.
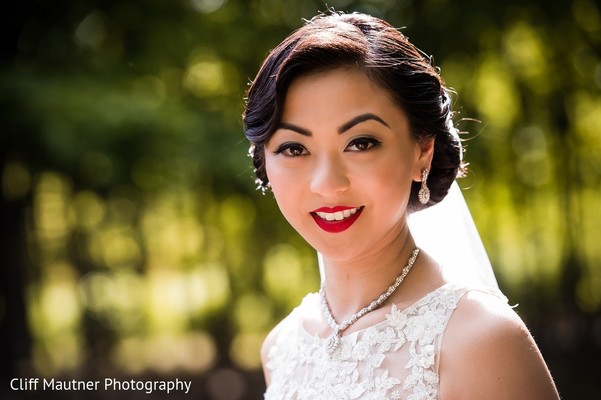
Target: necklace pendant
{"points": [[333, 342]]}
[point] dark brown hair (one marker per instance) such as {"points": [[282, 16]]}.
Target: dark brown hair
{"points": [[388, 58]]}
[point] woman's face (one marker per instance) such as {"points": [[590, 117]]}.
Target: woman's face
{"points": [[342, 161]]}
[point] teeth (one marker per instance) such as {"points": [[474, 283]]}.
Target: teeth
{"points": [[338, 215]]}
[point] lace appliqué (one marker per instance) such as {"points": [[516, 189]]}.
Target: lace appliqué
{"points": [[395, 359]]}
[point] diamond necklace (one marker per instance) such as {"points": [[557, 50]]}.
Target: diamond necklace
{"points": [[334, 339]]}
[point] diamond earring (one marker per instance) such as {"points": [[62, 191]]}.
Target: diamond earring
{"points": [[424, 193]]}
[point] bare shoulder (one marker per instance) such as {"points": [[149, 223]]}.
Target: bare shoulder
{"points": [[488, 353]]}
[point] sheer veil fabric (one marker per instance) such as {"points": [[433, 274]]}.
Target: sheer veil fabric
{"points": [[446, 231]]}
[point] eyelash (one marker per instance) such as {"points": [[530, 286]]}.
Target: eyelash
{"points": [[298, 150], [287, 148], [370, 142]]}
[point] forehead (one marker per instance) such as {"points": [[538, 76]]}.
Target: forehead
{"points": [[339, 78], [339, 92]]}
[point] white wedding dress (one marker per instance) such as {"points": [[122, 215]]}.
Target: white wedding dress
{"points": [[397, 358]]}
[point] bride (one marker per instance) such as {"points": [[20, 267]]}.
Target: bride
{"points": [[351, 129]]}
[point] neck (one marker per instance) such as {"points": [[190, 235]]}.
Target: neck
{"points": [[353, 284]]}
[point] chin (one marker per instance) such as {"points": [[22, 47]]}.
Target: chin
{"points": [[337, 251]]}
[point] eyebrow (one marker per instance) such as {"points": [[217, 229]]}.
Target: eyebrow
{"points": [[361, 118], [294, 128], [343, 128]]}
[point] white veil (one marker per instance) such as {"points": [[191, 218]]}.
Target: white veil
{"points": [[446, 231]]}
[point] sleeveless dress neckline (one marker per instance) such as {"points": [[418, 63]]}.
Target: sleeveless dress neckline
{"points": [[377, 324], [397, 358]]}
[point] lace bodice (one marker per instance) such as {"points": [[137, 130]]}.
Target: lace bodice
{"points": [[397, 358]]}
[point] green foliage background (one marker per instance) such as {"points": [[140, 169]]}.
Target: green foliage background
{"points": [[134, 243]]}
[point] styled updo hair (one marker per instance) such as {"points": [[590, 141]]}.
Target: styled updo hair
{"points": [[386, 56]]}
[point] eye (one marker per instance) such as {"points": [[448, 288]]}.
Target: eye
{"points": [[292, 150], [362, 144]]}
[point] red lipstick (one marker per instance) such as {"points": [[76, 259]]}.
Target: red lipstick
{"points": [[336, 226]]}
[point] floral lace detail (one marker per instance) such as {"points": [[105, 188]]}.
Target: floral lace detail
{"points": [[395, 359]]}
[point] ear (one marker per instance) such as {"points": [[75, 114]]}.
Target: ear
{"points": [[425, 152]]}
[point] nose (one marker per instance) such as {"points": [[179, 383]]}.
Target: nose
{"points": [[329, 177]]}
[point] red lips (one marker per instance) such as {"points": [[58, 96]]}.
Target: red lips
{"points": [[335, 226]]}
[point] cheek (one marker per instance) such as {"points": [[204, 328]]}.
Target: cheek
{"points": [[283, 185], [391, 184], [275, 174]]}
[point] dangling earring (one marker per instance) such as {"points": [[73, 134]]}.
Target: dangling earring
{"points": [[424, 193]]}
